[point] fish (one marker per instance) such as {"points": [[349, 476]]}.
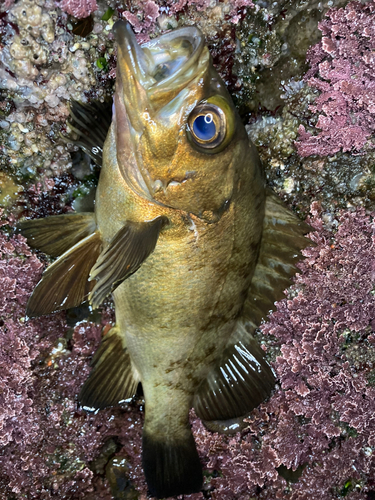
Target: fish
{"points": [[187, 239]]}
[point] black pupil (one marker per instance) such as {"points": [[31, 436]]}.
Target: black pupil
{"points": [[204, 127]]}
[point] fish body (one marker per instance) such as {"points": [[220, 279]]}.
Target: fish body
{"points": [[189, 242], [179, 309], [187, 296]]}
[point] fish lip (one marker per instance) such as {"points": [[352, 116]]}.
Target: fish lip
{"points": [[131, 50], [130, 99]]}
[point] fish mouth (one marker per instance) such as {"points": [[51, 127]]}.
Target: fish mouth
{"points": [[150, 77], [163, 62]]}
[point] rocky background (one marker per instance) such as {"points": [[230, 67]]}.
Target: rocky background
{"points": [[302, 74]]}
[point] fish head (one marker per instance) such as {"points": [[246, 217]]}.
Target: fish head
{"points": [[179, 138]]}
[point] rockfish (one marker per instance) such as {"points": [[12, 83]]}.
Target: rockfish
{"points": [[185, 236]]}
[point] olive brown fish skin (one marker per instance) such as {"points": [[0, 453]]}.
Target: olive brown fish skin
{"points": [[178, 310], [182, 222]]}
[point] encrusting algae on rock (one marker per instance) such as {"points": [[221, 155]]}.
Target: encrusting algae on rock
{"points": [[188, 240]]}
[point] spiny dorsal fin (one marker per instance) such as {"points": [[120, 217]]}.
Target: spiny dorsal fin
{"points": [[128, 250], [56, 234], [65, 283], [282, 241], [111, 379], [91, 123], [241, 380]]}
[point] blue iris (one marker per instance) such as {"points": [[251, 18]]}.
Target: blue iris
{"points": [[204, 127]]}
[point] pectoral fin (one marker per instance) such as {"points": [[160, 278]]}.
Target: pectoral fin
{"points": [[282, 241], [241, 380], [65, 283], [111, 379], [128, 250], [56, 234]]}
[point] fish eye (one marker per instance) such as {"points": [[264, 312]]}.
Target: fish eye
{"points": [[207, 125], [210, 125]]}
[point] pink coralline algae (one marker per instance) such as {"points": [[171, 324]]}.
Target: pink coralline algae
{"points": [[46, 444], [321, 422], [15, 358], [143, 18], [143, 15], [343, 70], [204, 4], [8, 3], [79, 8]]}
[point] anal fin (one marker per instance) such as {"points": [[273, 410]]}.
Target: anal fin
{"points": [[111, 379], [241, 380], [65, 283], [56, 234], [128, 250]]}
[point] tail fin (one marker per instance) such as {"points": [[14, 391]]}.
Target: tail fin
{"points": [[171, 467]]}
